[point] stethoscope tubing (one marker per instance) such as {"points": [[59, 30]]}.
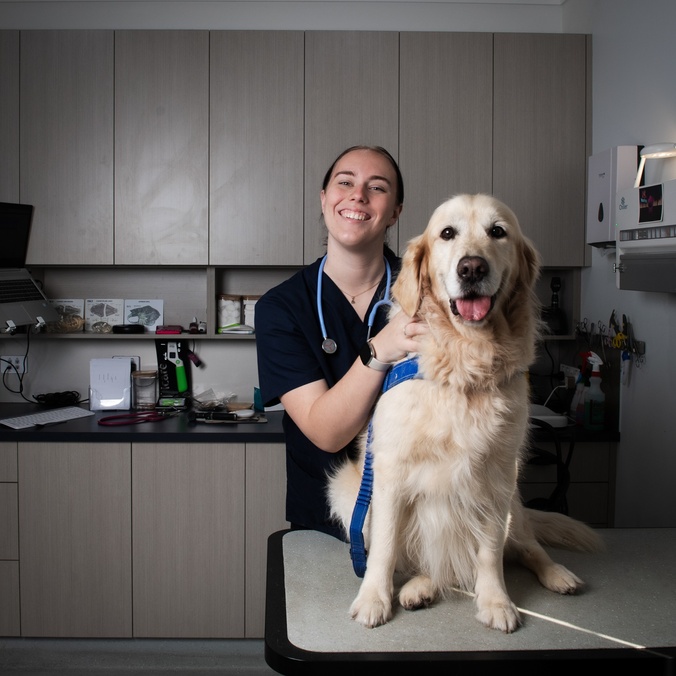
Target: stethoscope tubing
{"points": [[328, 344]]}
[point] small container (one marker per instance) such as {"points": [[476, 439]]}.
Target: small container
{"points": [[144, 390], [229, 310]]}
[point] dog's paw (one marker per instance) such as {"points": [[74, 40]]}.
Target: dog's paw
{"points": [[419, 592], [499, 615], [558, 578], [371, 608]]}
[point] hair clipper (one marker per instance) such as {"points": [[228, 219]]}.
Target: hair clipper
{"points": [[173, 357]]}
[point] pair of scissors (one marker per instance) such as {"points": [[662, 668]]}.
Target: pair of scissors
{"points": [[132, 418], [619, 340]]}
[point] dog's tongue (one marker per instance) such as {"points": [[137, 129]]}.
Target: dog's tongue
{"points": [[473, 309]]}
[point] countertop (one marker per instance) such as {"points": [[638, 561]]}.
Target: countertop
{"points": [[176, 429], [179, 429]]}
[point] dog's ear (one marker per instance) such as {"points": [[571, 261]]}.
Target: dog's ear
{"points": [[529, 268], [408, 288]]}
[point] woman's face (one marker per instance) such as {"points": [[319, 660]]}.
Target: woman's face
{"points": [[359, 202]]}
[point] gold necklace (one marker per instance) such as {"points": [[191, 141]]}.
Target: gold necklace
{"points": [[356, 295]]}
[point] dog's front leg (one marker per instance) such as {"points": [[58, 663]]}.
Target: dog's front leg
{"points": [[496, 609], [373, 604]]}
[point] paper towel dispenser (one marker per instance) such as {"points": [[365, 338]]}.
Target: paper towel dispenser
{"points": [[646, 238]]}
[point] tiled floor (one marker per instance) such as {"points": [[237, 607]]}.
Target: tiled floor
{"points": [[94, 657]]}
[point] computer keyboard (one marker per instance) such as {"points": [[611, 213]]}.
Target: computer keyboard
{"points": [[19, 290], [51, 417]]}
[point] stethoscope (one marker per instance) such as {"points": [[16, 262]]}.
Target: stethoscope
{"points": [[328, 344]]}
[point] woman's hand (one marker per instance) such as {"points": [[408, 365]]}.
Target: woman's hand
{"points": [[399, 337]]}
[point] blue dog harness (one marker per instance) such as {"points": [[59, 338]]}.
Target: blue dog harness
{"points": [[399, 373]]}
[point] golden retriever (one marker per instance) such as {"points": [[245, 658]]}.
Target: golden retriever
{"points": [[447, 447]]}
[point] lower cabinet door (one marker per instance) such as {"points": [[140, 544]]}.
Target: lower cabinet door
{"points": [[188, 540], [75, 539], [9, 599]]}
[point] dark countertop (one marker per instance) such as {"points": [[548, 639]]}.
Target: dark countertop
{"points": [[175, 429], [178, 429]]}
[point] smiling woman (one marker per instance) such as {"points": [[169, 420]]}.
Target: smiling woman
{"points": [[328, 385]]}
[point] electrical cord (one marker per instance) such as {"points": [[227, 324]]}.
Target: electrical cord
{"points": [[58, 399], [48, 400], [6, 371]]}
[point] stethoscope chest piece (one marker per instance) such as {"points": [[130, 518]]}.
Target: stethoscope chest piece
{"points": [[329, 345]]}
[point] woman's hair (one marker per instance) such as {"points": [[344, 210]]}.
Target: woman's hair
{"points": [[375, 149]]}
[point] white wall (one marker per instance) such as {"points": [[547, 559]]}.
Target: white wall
{"points": [[634, 102]]}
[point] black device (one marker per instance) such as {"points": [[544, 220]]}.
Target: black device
{"points": [[554, 316]]}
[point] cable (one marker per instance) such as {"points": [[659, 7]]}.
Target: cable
{"points": [[19, 376], [6, 371], [58, 399]]}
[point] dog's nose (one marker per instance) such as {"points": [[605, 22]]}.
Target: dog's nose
{"points": [[472, 269]]}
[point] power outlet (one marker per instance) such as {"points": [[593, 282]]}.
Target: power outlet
{"points": [[12, 364], [570, 374]]}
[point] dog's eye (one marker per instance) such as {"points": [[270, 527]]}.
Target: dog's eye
{"points": [[448, 233], [497, 231]]}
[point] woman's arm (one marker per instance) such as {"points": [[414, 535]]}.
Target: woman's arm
{"points": [[332, 417]]}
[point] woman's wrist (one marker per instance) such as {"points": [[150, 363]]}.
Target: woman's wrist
{"points": [[369, 357]]}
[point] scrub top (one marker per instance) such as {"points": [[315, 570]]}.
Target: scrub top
{"points": [[289, 345]]}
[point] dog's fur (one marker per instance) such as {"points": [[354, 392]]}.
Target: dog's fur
{"points": [[447, 448]]}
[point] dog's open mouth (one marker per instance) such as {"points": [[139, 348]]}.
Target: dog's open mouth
{"points": [[472, 308]]}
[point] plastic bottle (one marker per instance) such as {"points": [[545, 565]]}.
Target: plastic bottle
{"points": [[582, 383], [594, 398], [578, 400]]}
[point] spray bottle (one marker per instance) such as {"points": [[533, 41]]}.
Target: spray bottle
{"points": [[582, 383], [594, 399]]}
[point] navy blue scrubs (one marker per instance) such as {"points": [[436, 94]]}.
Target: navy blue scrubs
{"points": [[289, 345]]}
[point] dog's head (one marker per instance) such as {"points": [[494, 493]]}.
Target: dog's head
{"points": [[472, 261]]}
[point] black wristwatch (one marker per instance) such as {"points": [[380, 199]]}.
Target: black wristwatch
{"points": [[368, 358]]}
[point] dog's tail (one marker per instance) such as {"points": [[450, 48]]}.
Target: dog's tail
{"points": [[559, 530]]}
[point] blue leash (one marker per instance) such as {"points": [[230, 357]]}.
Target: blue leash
{"points": [[399, 373]]}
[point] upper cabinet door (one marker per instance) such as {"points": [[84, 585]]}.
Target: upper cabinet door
{"points": [[67, 145], [540, 150], [351, 97], [9, 116], [446, 120], [161, 147], [256, 159]]}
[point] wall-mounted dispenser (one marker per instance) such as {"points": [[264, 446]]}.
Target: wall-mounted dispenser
{"points": [[646, 238], [609, 171]]}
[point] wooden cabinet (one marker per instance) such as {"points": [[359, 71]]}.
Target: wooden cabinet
{"points": [[351, 97], [75, 539], [9, 542], [9, 116], [540, 139], [66, 138], [195, 541], [590, 496], [161, 147], [445, 121], [265, 510], [189, 507], [256, 148], [220, 139]]}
